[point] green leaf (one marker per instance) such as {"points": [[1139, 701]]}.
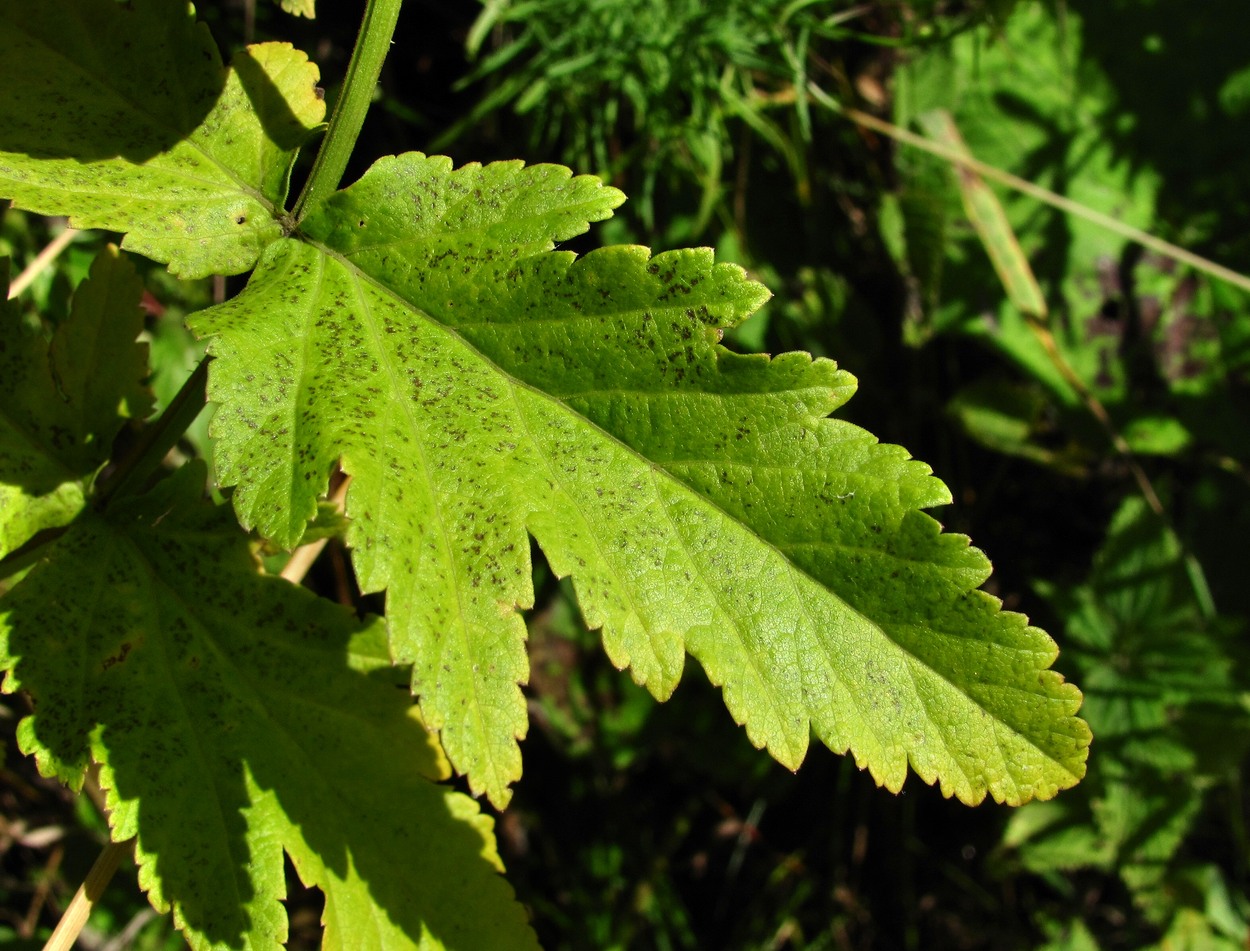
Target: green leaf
{"points": [[122, 117], [481, 391], [986, 214], [300, 8], [1025, 102], [23, 514], [1149, 658], [1165, 695], [66, 398], [235, 716], [1012, 419]]}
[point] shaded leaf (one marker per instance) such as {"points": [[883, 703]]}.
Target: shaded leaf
{"points": [[122, 117], [235, 716], [300, 8], [67, 397], [1012, 419], [1164, 694]]}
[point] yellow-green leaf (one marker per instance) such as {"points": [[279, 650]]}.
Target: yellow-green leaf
{"points": [[122, 117]]}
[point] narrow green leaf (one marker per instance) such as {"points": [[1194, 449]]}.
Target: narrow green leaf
{"points": [[990, 221], [193, 164], [67, 398], [235, 716], [1011, 418], [481, 392]]}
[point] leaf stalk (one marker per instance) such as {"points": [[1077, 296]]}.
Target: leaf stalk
{"points": [[156, 440], [372, 44], [89, 892]]}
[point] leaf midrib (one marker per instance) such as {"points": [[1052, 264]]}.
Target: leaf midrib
{"points": [[496, 769], [157, 579]]}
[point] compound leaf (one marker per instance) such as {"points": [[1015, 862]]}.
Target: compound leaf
{"points": [[123, 117], [234, 716], [67, 397], [482, 389]]}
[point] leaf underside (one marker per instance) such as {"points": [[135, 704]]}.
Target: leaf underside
{"points": [[235, 716], [483, 389]]}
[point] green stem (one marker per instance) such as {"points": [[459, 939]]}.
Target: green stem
{"points": [[156, 440], [372, 44], [149, 452]]}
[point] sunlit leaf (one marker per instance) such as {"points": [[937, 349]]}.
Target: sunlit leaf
{"points": [[483, 392]]}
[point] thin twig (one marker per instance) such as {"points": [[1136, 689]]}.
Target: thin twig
{"points": [[304, 556], [79, 909], [1046, 196], [1025, 187], [955, 153], [40, 898], [42, 261]]}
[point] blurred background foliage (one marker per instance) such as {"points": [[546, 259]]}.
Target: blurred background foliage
{"points": [[1096, 447]]}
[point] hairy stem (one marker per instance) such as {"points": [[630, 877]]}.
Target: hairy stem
{"points": [[372, 43]]}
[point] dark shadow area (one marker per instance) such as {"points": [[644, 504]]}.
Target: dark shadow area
{"points": [[1181, 106], [96, 79]]}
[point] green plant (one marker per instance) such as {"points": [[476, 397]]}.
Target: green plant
{"points": [[1164, 692], [1124, 355], [418, 331], [1103, 369]]}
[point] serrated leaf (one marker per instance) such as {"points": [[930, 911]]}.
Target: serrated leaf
{"points": [[67, 397], [300, 8], [235, 716], [1149, 659], [1165, 696], [122, 117], [481, 391]]}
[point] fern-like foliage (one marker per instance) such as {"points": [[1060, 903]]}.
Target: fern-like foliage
{"points": [[482, 389]]}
